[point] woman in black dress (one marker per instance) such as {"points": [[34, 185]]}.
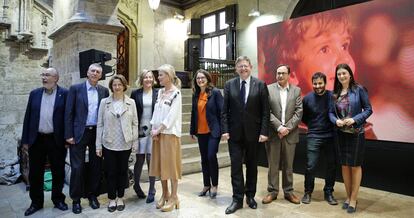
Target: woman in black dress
{"points": [[350, 109]]}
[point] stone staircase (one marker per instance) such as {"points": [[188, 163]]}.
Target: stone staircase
{"points": [[191, 160]]}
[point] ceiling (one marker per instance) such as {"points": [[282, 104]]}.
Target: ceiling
{"points": [[181, 4]]}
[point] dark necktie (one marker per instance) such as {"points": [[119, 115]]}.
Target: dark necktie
{"points": [[243, 93]]}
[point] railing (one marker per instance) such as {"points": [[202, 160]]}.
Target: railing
{"points": [[221, 70]]}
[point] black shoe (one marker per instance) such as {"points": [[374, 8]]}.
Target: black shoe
{"points": [[213, 195], [233, 207], [31, 210], [93, 202], [76, 208], [120, 207], [345, 205], [351, 209], [251, 202], [111, 208], [204, 192], [61, 206], [307, 198], [330, 199], [150, 198], [140, 194]]}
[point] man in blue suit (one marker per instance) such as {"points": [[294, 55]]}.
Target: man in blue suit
{"points": [[43, 136], [81, 116]]}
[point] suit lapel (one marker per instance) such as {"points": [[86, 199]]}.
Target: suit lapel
{"points": [[236, 87], [140, 98], [289, 98], [252, 88], [84, 94], [276, 96]]}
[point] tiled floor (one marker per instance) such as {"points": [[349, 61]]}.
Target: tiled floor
{"points": [[372, 203]]}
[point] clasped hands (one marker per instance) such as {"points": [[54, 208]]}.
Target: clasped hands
{"points": [[283, 131], [345, 122]]}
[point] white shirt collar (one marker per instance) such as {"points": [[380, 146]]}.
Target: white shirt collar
{"points": [[247, 80]]}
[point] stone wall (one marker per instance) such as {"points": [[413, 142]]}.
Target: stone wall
{"points": [[19, 74]]}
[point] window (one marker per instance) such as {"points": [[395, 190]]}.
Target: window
{"points": [[216, 36]]}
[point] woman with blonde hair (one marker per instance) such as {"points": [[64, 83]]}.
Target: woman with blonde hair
{"points": [[166, 133], [145, 97]]}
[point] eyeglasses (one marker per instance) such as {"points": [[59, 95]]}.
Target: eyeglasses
{"points": [[242, 66], [282, 73]]}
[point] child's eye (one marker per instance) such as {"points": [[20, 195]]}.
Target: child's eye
{"points": [[345, 46], [324, 49]]}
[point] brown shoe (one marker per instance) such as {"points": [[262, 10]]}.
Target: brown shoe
{"points": [[269, 198], [292, 198]]}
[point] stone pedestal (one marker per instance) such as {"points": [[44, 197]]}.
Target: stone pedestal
{"points": [[93, 25]]}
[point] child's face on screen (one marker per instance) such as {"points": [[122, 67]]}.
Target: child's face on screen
{"points": [[322, 51]]}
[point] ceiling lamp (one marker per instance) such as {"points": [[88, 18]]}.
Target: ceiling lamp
{"points": [[255, 11], [153, 4]]}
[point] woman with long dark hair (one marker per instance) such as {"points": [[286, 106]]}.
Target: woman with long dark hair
{"points": [[205, 125], [349, 111]]}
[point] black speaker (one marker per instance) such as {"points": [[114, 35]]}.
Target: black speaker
{"points": [[188, 52], [194, 27], [231, 14], [88, 57]]}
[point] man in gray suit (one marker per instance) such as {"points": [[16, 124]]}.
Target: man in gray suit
{"points": [[285, 114]]}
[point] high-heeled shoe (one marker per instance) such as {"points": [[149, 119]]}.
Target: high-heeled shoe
{"points": [[352, 209], [213, 194], [160, 203], [204, 192], [171, 204]]}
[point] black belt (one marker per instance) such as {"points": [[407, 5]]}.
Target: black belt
{"points": [[90, 127], [45, 134]]}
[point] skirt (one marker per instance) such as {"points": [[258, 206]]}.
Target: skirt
{"points": [[350, 148], [166, 157], [145, 145]]}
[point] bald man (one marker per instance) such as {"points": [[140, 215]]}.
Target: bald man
{"points": [[43, 135]]}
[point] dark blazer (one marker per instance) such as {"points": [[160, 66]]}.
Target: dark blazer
{"points": [[361, 108], [213, 113], [76, 111], [254, 118], [137, 96], [32, 116]]}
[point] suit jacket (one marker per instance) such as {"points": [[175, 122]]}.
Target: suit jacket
{"points": [[361, 108], [32, 116], [213, 113], [108, 120], [253, 118], [137, 96], [76, 111], [293, 114]]}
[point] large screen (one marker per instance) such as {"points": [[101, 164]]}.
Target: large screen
{"points": [[375, 38]]}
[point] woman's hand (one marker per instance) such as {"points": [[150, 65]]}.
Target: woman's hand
{"points": [[349, 121], [340, 123]]}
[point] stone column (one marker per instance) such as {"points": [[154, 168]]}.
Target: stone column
{"points": [[91, 25]]}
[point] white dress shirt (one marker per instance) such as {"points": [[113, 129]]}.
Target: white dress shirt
{"points": [[247, 87], [283, 100]]}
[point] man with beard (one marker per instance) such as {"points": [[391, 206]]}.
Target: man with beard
{"points": [[319, 138]]}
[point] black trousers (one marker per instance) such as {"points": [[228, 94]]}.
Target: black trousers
{"points": [[79, 172], [243, 151], [208, 146], [116, 171], [45, 146]]}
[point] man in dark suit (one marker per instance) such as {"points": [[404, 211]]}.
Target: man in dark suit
{"points": [[245, 120], [81, 116], [285, 114], [43, 136]]}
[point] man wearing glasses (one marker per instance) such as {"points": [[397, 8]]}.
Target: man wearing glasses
{"points": [[43, 135], [285, 114], [245, 121]]}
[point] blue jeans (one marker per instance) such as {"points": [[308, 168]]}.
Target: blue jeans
{"points": [[315, 147]]}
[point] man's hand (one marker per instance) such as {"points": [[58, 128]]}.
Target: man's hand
{"points": [[70, 141], [226, 136], [99, 152], [262, 138]]}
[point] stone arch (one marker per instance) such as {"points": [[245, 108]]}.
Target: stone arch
{"points": [[128, 18]]}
